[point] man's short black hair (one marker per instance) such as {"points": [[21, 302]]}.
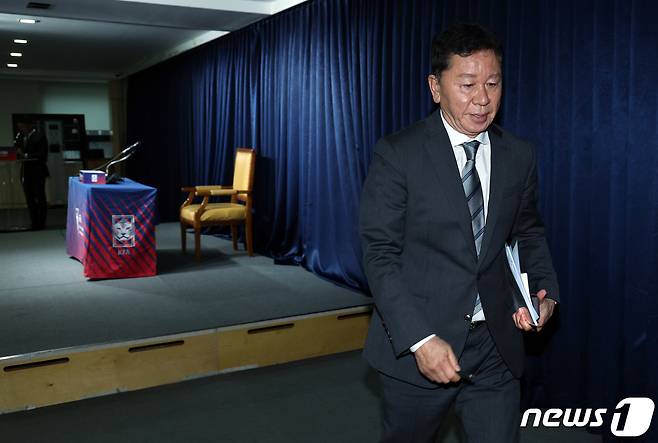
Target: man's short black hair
{"points": [[462, 39]]}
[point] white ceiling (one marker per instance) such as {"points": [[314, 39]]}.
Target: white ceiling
{"points": [[98, 40]]}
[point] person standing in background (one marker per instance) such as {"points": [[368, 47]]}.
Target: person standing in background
{"points": [[32, 148]]}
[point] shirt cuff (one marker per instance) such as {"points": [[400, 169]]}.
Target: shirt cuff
{"points": [[417, 346]]}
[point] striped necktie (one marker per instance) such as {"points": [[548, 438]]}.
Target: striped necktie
{"points": [[474, 199]]}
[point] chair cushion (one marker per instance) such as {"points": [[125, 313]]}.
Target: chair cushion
{"points": [[216, 212]]}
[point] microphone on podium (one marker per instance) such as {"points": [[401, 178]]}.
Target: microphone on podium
{"points": [[120, 157]]}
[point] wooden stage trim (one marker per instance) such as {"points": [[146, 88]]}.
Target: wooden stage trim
{"points": [[51, 377]]}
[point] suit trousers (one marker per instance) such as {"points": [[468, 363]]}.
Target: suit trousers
{"points": [[34, 175], [487, 405]]}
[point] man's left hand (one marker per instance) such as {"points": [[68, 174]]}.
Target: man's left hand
{"points": [[522, 318]]}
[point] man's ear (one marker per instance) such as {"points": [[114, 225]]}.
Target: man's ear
{"points": [[435, 88]]}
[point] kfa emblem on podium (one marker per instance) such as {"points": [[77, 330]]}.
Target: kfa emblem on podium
{"points": [[123, 231]]}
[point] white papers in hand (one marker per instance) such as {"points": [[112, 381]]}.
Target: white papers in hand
{"points": [[521, 279]]}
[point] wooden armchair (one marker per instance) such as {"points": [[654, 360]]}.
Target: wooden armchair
{"points": [[235, 213]]}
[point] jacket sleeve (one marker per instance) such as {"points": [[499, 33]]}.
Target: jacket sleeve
{"points": [[382, 227], [534, 254]]}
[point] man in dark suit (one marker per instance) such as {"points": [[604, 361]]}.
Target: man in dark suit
{"points": [[33, 148], [441, 200]]}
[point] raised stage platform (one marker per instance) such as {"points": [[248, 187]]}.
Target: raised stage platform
{"points": [[46, 303], [63, 337]]}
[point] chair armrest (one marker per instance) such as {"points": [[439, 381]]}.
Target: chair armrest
{"points": [[190, 196], [211, 187], [220, 192], [204, 188], [206, 191], [211, 192]]}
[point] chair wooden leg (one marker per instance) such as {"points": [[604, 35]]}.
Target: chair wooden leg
{"points": [[183, 242], [197, 243], [249, 233], [234, 236]]}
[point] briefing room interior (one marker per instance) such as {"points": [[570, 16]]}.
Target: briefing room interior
{"points": [[328, 221]]}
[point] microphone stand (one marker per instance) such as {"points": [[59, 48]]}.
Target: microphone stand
{"points": [[121, 156]]}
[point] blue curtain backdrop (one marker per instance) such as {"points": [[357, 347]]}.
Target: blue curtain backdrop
{"points": [[314, 87]]}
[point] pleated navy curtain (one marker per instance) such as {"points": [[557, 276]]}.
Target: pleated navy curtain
{"points": [[586, 94], [314, 87]]}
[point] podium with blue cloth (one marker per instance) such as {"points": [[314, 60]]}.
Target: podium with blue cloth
{"points": [[110, 228]]}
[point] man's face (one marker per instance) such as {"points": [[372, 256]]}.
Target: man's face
{"points": [[469, 91]]}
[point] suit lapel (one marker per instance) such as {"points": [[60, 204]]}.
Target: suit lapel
{"points": [[440, 152], [499, 161]]}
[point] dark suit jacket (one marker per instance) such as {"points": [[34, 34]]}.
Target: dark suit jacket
{"points": [[33, 144], [419, 252]]}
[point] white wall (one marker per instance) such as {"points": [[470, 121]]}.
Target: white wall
{"points": [[47, 97]]}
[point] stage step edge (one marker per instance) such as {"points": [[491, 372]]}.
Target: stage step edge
{"points": [[44, 378]]}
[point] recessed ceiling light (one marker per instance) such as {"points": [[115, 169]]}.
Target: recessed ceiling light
{"points": [[20, 41], [12, 65], [16, 54], [27, 21]]}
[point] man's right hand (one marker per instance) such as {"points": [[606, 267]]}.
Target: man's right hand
{"points": [[437, 361]]}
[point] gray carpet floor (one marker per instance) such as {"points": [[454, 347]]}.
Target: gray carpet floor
{"points": [[328, 399], [46, 303]]}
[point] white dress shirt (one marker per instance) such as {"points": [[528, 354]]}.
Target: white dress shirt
{"points": [[483, 167]]}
